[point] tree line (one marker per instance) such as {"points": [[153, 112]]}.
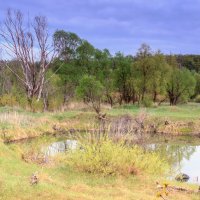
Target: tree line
{"points": [[39, 72]]}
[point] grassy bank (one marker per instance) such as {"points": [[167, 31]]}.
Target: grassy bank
{"points": [[16, 123], [58, 180], [190, 111]]}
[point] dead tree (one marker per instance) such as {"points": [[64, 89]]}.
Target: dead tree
{"points": [[29, 44]]}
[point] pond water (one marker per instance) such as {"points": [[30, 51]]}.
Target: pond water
{"points": [[184, 156], [184, 159], [191, 166]]}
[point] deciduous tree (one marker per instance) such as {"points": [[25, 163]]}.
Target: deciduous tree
{"points": [[29, 44]]}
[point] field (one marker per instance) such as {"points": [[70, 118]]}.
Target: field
{"points": [[57, 180]]}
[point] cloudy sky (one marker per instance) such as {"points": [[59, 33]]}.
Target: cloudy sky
{"points": [[173, 26]]}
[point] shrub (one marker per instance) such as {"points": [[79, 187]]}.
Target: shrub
{"points": [[36, 105], [91, 92], [8, 100], [147, 102], [197, 99], [55, 103], [109, 158]]}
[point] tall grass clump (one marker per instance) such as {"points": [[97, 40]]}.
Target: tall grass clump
{"points": [[109, 158], [16, 118]]}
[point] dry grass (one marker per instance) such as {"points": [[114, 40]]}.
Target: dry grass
{"points": [[15, 125], [16, 118]]}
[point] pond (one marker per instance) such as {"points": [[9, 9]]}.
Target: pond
{"points": [[183, 154], [185, 158]]}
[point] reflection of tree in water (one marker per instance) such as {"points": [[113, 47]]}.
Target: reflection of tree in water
{"points": [[175, 153]]}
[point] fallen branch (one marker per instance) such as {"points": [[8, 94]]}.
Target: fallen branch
{"points": [[179, 189]]}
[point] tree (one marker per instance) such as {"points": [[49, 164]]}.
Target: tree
{"points": [[66, 66], [180, 85], [160, 73], [91, 91], [70, 75], [25, 42], [123, 77], [197, 87], [51, 90], [66, 44], [143, 70], [102, 68], [85, 54]]}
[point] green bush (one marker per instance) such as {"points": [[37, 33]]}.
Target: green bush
{"points": [[36, 106], [109, 158], [197, 99], [147, 102], [8, 100], [91, 92]]}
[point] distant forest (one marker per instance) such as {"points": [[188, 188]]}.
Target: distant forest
{"points": [[45, 75]]}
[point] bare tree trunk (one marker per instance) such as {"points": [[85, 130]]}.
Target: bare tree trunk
{"points": [[45, 101], [154, 96]]}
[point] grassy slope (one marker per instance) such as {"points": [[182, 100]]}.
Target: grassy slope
{"points": [[60, 182]]}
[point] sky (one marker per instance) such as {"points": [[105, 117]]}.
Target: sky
{"points": [[173, 26]]}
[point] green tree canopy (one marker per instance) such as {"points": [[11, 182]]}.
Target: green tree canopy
{"points": [[180, 85], [91, 91]]}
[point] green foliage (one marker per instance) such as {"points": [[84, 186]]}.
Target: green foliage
{"points": [[160, 75], [143, 70], [36, 105], [147, 77], [147, 102], [91, 91], [66, 44], [191, 62], [8, 100], [197, 99], [109, 158], [197, 87], [123, 79], [180, 85], [85, 55]]}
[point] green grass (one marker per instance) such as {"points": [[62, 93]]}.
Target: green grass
{"points": [[183, 112], [59, 181]]}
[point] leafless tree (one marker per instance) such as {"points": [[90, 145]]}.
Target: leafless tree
{"points": [[29, 43]]}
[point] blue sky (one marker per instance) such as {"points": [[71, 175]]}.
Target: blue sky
{"points": [[173, 26]]}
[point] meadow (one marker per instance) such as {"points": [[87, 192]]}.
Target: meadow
{"points": [[83, 176], [17, 123]]}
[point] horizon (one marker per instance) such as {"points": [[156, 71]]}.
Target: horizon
{"points": [[170, 26]]}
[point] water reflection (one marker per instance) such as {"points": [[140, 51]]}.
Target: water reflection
{"points": [[184, 159], [59, 147]]}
